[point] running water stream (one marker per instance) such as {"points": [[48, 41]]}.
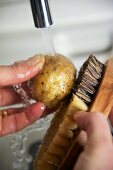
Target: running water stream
{"points": [[18, 141], [47, 38]]}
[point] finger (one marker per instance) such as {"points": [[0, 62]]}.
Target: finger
{"points": [[8, 96], [21, 71], [82, 138], [111, 117], [96, 127], [11, 111], [48, 111], [16, 122]]}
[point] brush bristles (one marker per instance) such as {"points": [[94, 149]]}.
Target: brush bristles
{"points": [[88, 79]]}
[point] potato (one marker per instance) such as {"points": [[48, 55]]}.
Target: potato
{"points": [[55, 81]]}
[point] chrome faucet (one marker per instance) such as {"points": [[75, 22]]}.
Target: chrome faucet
{"points": [[41, 13]]}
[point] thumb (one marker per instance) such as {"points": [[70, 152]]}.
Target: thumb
{"points": [[96, 127], [21, 71]]}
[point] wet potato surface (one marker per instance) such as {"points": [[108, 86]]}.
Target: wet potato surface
{"points": [[55, 81]]}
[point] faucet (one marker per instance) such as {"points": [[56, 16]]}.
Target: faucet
{"points": [[43, 20], [41, 13]]}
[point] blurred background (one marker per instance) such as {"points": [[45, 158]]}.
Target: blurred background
{"points": [[80, 28]]}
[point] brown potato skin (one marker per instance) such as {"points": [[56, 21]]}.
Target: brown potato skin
{"points": [[55, 81]]}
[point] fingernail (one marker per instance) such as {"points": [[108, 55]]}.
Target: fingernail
{"points": [[37, 61]]}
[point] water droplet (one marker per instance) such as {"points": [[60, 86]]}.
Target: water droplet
{"points": [[22, 93]]}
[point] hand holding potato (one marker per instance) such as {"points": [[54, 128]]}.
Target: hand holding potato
{"points": [[15, 119]]}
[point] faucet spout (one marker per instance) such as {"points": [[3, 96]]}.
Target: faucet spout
{"points": [[41, 13]]}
